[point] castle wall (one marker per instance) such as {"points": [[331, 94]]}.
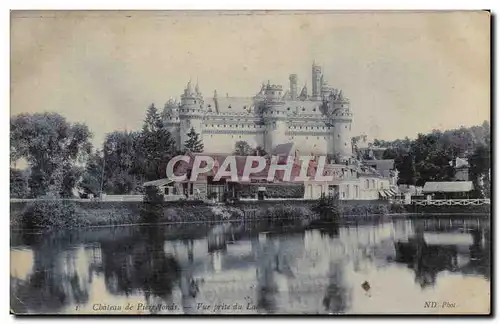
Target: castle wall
{"points": [[342, 139], [315, 124], [276, 134], [224, 141], [309, 143]]}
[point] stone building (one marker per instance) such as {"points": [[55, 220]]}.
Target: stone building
{"points": [[318, 122]]}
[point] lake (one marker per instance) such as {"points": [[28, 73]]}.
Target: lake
{"points": [[385, 266]]}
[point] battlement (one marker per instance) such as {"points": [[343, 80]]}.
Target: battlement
{"points": [[275, 87], [276, 114]]}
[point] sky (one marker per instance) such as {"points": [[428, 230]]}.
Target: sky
{"points": [[404, 72]]}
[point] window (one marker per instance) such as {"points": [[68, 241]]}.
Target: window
{"points": [[191, 189], [367, 183], [373, 184]]}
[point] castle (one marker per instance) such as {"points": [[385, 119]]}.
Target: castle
{"points": [[318, 123]]}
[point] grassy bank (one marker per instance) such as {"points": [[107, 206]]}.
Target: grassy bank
{"points": [[49, 214]]}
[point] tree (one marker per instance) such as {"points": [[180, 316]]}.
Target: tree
{"points": [[93, 176], [51, 146], [429, 156], [18, 183], [193, 143], [480, 166], [120, 152], [157, 147], [242, 148]]}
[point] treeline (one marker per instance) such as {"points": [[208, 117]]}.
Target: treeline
{"points": [[430, 156], [60, 156]]}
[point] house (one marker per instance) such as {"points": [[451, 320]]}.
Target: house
{"points": [[350, 183], [461, 169], [448, 189], [167, 187]]}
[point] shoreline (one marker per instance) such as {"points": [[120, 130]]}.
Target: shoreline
{"points": [[49, 214], [342, 219]]}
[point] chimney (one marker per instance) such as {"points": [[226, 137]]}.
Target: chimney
{"points": [[293, 86]]}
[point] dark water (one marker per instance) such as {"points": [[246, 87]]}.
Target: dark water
{"points": [[391, 266]]}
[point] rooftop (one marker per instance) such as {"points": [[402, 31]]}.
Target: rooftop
{"points": [[448, 186]]}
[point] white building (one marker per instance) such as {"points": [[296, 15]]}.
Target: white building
{"points": [[317, 122]]}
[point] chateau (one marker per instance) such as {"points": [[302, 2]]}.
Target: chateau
{"points": [[318, 123]]}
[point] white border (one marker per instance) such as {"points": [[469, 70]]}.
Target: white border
{"points": [[6, 5]]}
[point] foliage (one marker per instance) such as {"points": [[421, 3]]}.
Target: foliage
{"points": [[193, 144], [429, 157], [50, 214], [156, 148], [259, 151], [51, 146], [242, 148], [92, 176], [328, 208], [120, 151], [130, 158], [18, 184], [480, 165], [152, 207]]}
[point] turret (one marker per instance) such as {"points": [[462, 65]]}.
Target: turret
{"points": [[303, 93], [316, 82], [340, 117], [293, 86], [171, 120], [191, 111], [274, 116], [273, 93]]}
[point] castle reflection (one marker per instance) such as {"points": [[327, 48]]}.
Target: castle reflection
{"points": [[246, 268]]}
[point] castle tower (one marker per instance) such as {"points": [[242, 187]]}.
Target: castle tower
{"points": [[170, 117], [293, 86], [274, 116], [316, 82], [303, 93], [341, 120], [190, 112]]}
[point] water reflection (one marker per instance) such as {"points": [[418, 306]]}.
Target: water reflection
{"points": [[242, 268]]}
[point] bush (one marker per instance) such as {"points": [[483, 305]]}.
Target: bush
{"points": [[49, 214], [152, 206]]}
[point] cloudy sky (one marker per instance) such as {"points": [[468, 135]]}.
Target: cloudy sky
{"points": [[403, 72]]}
